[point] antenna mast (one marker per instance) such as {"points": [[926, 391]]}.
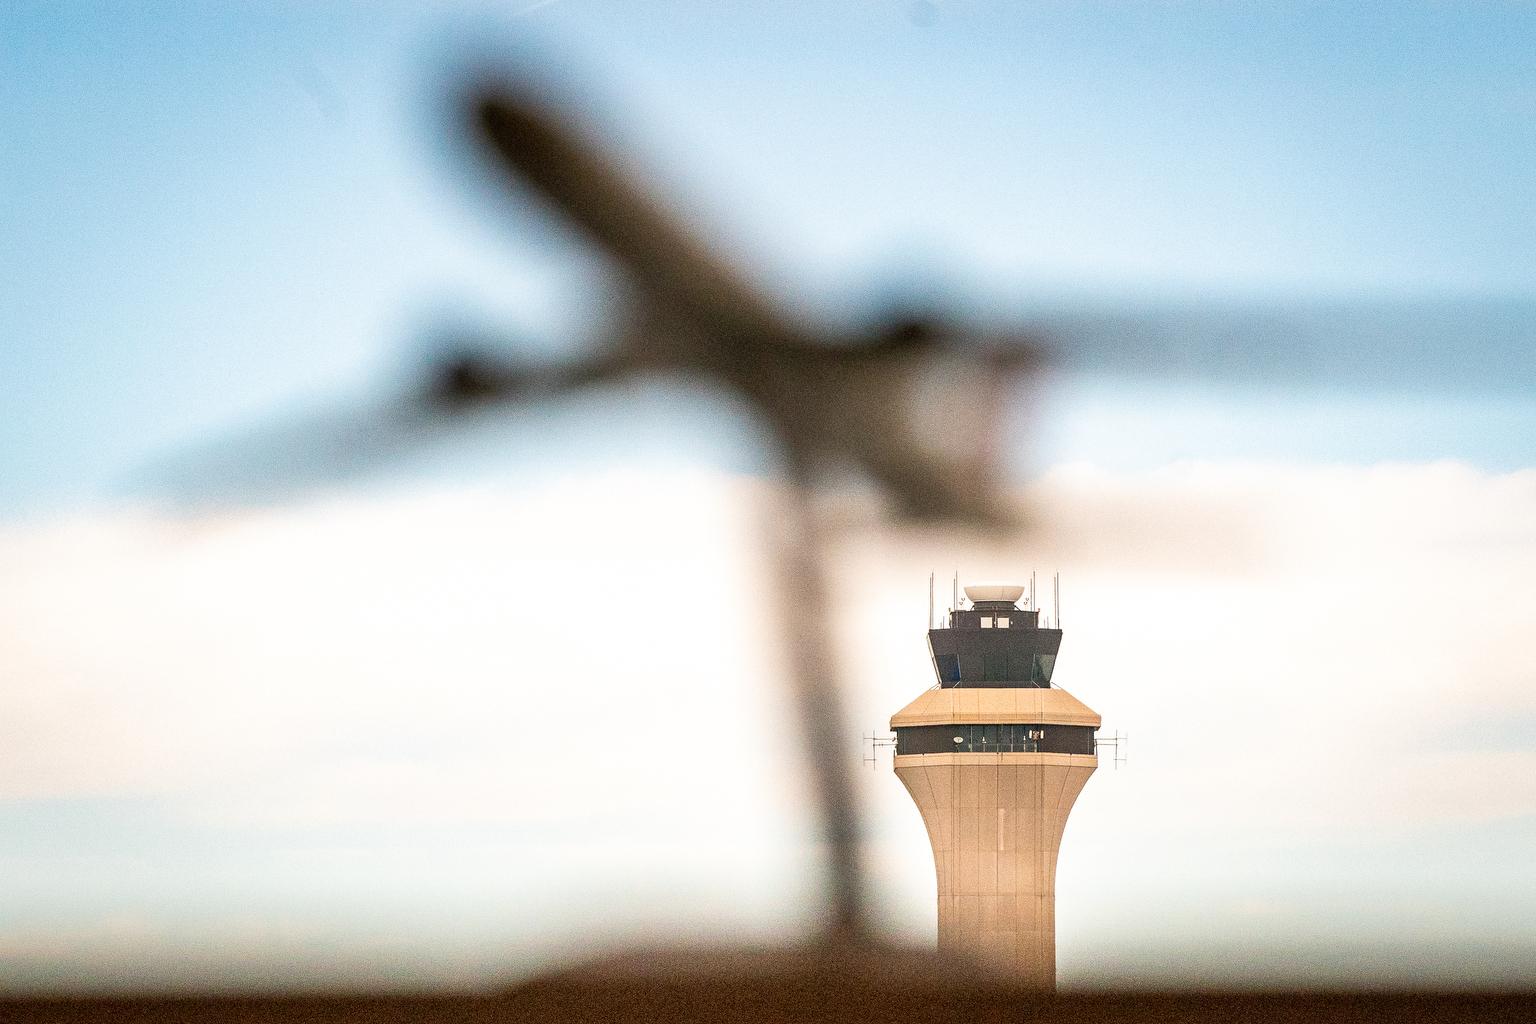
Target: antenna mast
{"points": [[1056, 601], [930, 600]]}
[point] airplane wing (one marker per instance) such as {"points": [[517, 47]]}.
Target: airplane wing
{"points": [[672, 267]]}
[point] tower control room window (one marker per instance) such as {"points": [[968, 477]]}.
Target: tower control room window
{"points": [[986, 622], [1002, 622], [1020, 738]]}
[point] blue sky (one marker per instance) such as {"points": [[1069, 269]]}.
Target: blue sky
{"points": [[216, 222], [217, 215]]}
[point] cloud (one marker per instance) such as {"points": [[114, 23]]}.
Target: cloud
{"points": [[380, 646], [572, 687]]}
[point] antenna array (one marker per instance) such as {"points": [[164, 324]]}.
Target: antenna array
{"points": [[1118, 742], [1032, 602], [874, 742]]}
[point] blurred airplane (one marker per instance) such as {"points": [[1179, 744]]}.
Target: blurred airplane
{"points": [[882, 403]]}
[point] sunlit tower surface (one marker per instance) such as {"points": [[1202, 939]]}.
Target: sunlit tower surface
{"points": [[994, 757]]}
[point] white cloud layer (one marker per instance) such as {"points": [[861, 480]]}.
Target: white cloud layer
{"points": [[546, 710]]}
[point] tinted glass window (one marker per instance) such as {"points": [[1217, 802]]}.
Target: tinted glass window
{"points": [[1044, 739]]}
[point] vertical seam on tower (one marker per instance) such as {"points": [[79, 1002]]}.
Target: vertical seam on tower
{"points": [[997, 856], [954, 849], [938, 874], [1063, 788], [1037, 892], [931, 794]]}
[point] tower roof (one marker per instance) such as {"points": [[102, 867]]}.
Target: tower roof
{"points": [[1052, 706]]}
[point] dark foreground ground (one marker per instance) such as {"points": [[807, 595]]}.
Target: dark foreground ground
{"points": [[866, 986]]}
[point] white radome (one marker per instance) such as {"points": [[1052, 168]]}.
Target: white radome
{"points": [[994, 592]]}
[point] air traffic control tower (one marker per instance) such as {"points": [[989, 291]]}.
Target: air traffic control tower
{"points": [[994, 757]]}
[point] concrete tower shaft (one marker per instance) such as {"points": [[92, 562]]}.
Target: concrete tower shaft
{"points": [[995, 763]]}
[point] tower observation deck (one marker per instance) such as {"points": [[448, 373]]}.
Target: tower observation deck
{"points": [[994, 758]]}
